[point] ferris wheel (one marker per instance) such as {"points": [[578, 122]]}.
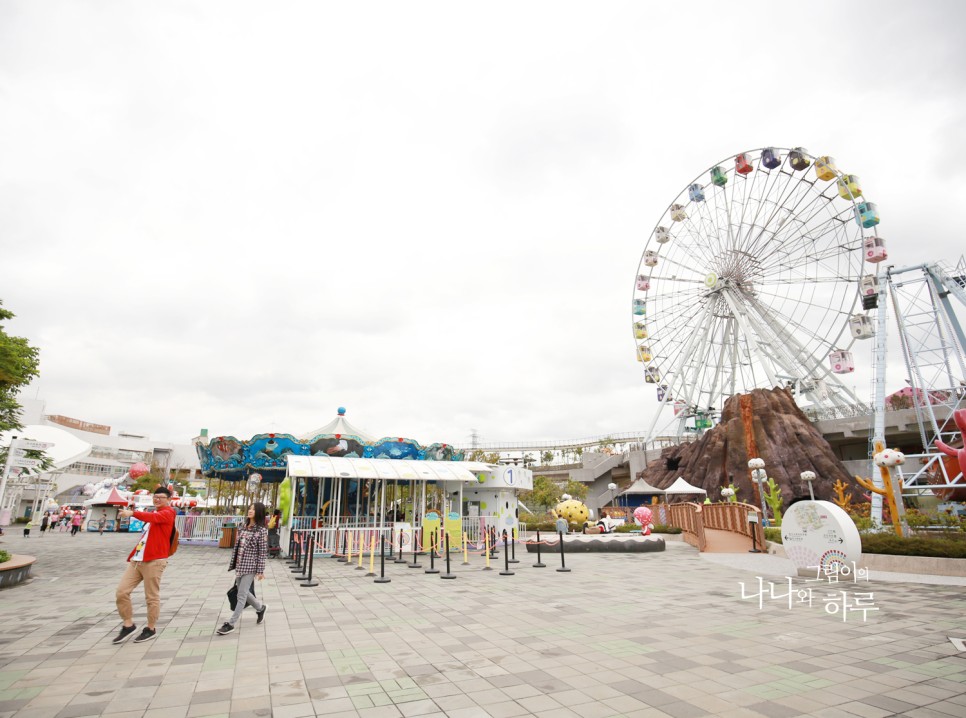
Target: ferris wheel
{"points": [[752, 278]]}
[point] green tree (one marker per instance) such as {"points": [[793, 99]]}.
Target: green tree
{"points": [[576, 489], [545, 494], [149, 482], [19, 363], [546, 458], [480, 455]]}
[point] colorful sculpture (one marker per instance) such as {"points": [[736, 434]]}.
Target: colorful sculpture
{"points": [[774, 500], [959, 454], [138, 470], [645, 518], [885, 459], [573, 511]]}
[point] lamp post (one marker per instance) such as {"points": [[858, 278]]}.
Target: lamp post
{"points": [[612, 487], [808, 477], [759, 476]]}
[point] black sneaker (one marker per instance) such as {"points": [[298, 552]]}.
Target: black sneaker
{"points": [[146, 635], [261, 614], [225, 628], [124, 634]]}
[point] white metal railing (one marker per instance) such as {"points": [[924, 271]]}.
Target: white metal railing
{"points": [[203, 528]]}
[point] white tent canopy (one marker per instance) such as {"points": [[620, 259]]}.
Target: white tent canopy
{"points": [[642, 487], [388, 469], [680, 486]]}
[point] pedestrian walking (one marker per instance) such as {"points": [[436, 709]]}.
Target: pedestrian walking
{"points": [[274, 526], [248, 562], [76, 522], [44, 522], [102, 523], [146, 563], [27, 526]]}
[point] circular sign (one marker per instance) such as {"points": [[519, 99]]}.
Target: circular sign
{"points": [[820, 536], [711, 280]]}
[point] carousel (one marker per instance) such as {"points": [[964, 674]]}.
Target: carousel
{"points": [[342, 484]]}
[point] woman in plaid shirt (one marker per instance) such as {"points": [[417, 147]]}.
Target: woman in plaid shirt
{"points": [[248, 561]]}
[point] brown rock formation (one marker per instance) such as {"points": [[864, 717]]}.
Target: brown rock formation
{"points": [[766, 421]]}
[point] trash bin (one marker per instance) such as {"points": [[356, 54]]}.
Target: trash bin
{"points": [[227, 536]]}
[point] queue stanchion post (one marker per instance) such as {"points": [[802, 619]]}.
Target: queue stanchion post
{"points": [[343, 558], [486, 550], [291, 542], [539, 563], [513, 546], [506, 557], [295, 553], [448, 573], [466, 545], [414, 563], [309, 550], [563, 564], [335, 546], [348, 554], [309, 583], [399, 554], [302, 564], [372, 555], [382, 561], [362, 550], [432, 555]]}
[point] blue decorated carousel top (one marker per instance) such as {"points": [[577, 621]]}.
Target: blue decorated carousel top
{"points": [[226, 457]]}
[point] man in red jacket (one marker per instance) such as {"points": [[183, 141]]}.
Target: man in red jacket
{"points": [[146, 563]]}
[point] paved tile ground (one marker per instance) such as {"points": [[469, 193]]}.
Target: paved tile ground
{"points": [[654, 634]]}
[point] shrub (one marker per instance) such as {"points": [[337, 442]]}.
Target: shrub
{"points": [[774, 534], [22, 520], [889, 543], [4, 556], [627, 528], [665, 529]]}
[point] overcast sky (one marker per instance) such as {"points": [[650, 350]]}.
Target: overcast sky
{"points": [[241, 215]]}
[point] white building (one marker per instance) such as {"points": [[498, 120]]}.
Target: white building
{"points": [[112, 455]]}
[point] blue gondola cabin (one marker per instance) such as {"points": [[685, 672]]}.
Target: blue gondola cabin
{"points": [[696, 193], [770, 158], [743, 164], [640, 307], [866, 214], [798, 160]]}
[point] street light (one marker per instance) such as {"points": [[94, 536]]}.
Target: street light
{"points": [[808, 477], [759, 476]]}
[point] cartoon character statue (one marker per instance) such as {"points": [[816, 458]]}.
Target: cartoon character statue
{"points": [[644, 518], [572, 510]]}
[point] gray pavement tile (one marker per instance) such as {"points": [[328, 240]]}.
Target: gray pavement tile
{"points": [[570, 656]]}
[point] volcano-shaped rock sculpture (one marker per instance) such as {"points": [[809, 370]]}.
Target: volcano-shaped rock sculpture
{"points": [[765, 423]]}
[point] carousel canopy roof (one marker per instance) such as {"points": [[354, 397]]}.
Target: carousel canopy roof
{"points": [[389, 469], [339, 425], [680, 486]]}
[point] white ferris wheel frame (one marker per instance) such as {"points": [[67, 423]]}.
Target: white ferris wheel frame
{"points": [[757, 285]]}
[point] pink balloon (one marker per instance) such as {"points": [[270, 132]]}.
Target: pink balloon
{"points": [[138, 470]]}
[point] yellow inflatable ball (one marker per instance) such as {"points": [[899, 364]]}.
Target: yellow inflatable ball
{"points": [[574, 511]]}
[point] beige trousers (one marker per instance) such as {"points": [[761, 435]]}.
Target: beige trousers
{"points": [[138, 571]]}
